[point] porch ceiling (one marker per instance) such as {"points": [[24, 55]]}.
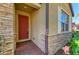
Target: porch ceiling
{"points": [[24, 7]]}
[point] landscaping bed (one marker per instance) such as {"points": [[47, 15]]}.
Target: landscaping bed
{"points": [[74, 43], [72, 47]]}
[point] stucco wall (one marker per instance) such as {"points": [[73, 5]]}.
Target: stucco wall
{"points": [[57, 40], [54, 16], [38, 19]]}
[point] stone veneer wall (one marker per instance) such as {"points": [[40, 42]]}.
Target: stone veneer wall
{"points": [[56, 42], [6, 29]]}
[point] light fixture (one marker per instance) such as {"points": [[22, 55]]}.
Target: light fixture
{"points": [[25, 7]]}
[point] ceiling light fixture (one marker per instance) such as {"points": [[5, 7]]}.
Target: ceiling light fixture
{"points": [[25, 7]]}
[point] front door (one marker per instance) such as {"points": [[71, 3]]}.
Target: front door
{"points": [[23, 27]]}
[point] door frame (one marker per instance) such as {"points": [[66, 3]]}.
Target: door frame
{"points": [[17, 24]]}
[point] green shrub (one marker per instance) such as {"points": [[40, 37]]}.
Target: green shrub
{"points": [[74, 43], [74, 47]]}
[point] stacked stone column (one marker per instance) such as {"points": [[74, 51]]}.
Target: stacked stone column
{"points": [[6, 29]]}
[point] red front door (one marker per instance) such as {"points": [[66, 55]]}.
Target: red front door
{"points": [[23, 27]]}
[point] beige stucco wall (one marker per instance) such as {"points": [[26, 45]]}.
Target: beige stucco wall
{"points": [[54, 34], [53, 16], [38, 19]]}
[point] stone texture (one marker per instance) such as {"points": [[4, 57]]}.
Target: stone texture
{"points": [[56, 42], [6, 28]]}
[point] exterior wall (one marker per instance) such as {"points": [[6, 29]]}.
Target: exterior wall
{"points": [[7, 28], [57, 39], [38, 19], [53, 18]]}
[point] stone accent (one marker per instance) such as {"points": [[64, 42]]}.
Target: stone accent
{"points": [[6, 29], [56, 42]]}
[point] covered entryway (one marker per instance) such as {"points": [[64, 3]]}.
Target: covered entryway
{"points": [[27, 48], [26, 44]]}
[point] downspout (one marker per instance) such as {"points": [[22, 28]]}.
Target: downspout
{"points": [[47, 29]]}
